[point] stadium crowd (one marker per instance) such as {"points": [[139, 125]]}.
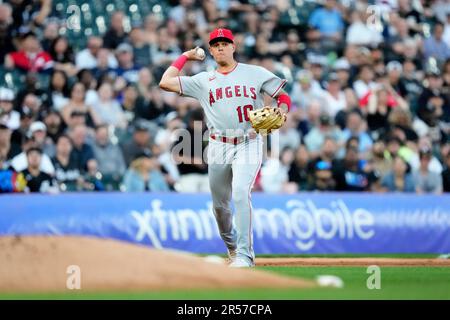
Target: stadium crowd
{"points": [[369, 82]]}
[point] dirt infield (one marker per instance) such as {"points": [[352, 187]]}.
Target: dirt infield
{"points": [[40, 264], [393, 262]]}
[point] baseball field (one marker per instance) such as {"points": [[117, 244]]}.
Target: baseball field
{"points": [[35, 268]]}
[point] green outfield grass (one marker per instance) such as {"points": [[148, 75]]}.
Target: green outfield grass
{"points": [[396, 283]]}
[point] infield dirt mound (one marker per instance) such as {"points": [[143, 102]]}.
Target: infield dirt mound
{"points": [[39, 264]]}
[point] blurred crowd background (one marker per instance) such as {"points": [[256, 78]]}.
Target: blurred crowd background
{"points": [[81, 110]]}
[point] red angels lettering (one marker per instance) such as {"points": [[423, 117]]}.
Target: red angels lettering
{"points": [[245, 91], [219, 93], [211, 98], [228, 92], [237, 91], [253, 91]]}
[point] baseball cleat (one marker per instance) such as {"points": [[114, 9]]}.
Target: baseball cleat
{"points": [[241, 263]]}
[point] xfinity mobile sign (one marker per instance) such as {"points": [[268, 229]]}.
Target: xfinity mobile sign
{"points": [[282, 224]]}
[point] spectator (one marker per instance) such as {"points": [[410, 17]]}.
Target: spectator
{"points": [[334, 97], [87, 58], [108, 109], [350, 173], [413, 86], [381, 163], [62, 55], [305, 90], [54, 124], [91, 177], [6, 39], [316, 137], [356, 128], [76, 103], [399, 178], [7, 150], [299, 170], [193, 170], [427, 181], [164, 140], [144, 175], [81, 151], [381, 102], [67, 173], [126, 67], [157, 108], [328, 21], [288, 135], [342, 69], [20, 161], [140, 143], [111, 163], [274, 173], [116, 32], [365, 82], [51, 32], [103, 69], [141, 49], [322, 177], [360, 32], [18, 135], [30, 57], [38, 132], [8, 115], [400, 123], [435, 47], [293, 51], [58, 93], [37, 180]]}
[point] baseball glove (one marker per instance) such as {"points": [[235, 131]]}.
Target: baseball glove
{"points": [[267, 119]]}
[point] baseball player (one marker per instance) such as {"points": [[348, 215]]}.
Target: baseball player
{"points": [[232, 99]]}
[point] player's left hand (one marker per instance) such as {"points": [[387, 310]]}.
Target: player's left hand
{"points": [[267, 119]]}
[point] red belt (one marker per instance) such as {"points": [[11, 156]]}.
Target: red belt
{"points": [[232, 140]]}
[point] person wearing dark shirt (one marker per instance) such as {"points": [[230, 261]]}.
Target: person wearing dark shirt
{"points": [[299, 171], [81, 152], [350, 175], [189, 156], [67, 173], [6, 31], [37, 181], [141, 49], [140, 143], [116, 33], [127, 69]]}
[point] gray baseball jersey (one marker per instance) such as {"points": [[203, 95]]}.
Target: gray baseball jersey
{"points": [[232, 167], [226, 98]]}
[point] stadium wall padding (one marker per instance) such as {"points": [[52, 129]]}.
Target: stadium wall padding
{"points": [[314, 223]]}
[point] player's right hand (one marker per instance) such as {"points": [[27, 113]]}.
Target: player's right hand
{"points": [[193, 55]]}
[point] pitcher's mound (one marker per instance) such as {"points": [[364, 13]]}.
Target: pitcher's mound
{"points": [[42, 263]]}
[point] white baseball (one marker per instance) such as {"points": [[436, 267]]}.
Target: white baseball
{"points": [[201, 53]]}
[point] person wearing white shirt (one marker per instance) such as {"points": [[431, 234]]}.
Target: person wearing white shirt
{"points": [[365, 82], [87, 58], [361, 33], [335, 99], [8, 116]]}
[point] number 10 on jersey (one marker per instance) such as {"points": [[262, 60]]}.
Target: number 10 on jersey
{"points": [[244, 110]]}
